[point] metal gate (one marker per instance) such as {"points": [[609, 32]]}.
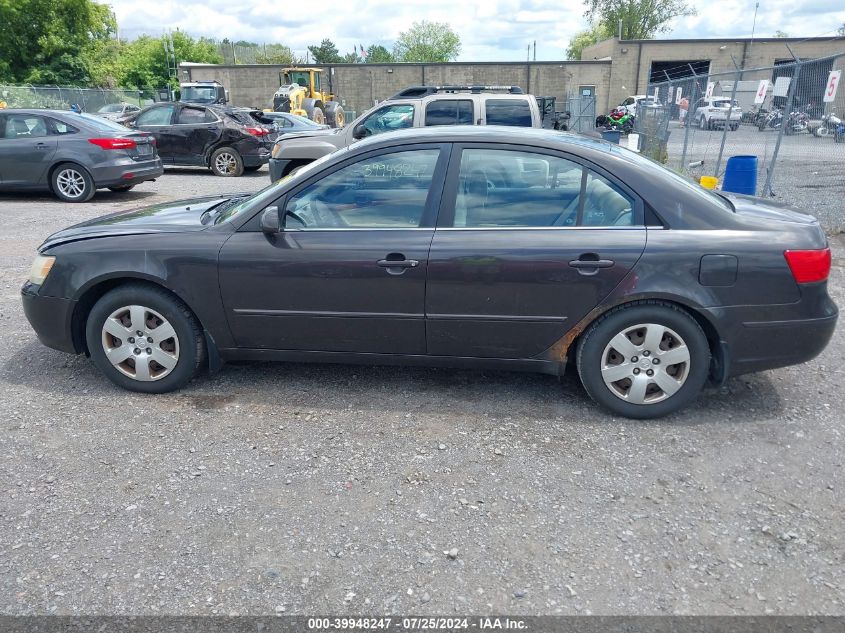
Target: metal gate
{"points": [[583, 111]]}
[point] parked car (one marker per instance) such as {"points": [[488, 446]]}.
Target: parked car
{"points": [[417, 106], [285, 123], [72, 154], [226, 140], [118, 111], [466, 247], [633, 103], [715, 111]]}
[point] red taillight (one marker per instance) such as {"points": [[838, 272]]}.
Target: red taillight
{"points": [[809, 266], [258, 131], [113, 143]]}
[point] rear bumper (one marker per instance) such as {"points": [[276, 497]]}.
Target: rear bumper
{"points": [[767, 337], [127, 173], [277, 168], [258, 159], [50, 317]]}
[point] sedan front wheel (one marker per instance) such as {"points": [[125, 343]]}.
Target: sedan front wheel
{"points": [[144, 339], [644, 361]]}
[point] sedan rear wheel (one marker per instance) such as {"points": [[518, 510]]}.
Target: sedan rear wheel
{"points": [[645, 360], [144, 339], [72, 183]]}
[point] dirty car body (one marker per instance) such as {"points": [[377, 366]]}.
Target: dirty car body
{"points": [[462, 247]]}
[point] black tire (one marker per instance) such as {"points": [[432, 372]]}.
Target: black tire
{"points": [[226, 162], [593, 344], [734, 127], [191, 343], [122, 188], [69, 178], [702, 124], [335, 116]]}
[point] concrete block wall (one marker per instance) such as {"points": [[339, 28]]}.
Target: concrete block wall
{"points": [[360, 86]]}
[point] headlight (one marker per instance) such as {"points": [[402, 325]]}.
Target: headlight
{"points": [[40, 269], [277, 149]]}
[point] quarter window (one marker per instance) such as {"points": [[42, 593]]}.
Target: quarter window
{"points": [[505, 188], [513, 112], [385, 191], [449, 112], [389, 118], [156, 116]]}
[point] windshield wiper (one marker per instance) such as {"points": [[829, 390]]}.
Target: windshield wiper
{"points": [[211, 213]]}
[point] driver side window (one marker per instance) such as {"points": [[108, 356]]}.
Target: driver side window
{"points": [[389, 118], [385, 191]]}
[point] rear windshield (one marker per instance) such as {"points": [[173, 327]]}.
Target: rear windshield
{"points": [[515, 112]]}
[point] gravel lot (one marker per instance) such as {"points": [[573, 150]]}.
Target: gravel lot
{"points": [[273, 488]]}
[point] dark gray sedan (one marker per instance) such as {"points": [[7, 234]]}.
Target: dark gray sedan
{"points": [[72, 154], [465, 247]]}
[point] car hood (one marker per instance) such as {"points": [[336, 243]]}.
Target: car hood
{"points": [[309, 133], [168, 217]]}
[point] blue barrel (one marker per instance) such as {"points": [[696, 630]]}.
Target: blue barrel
{"points": [[741, 175], [611, 135]]}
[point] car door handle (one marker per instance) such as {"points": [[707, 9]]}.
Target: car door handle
{"points": [[591, 263], [398, 263], [41, 146]]}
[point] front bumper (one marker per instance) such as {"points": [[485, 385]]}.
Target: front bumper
{"points": [[127, 172], [50, 317], [277, 168]]}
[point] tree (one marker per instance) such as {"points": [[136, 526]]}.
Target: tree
{"points": [[641, 19], [143, 63], [583, 39], [325, 53], [350, 58], [42, 41], [427, 42], [841, 30], [781, 34], [378, 54]]}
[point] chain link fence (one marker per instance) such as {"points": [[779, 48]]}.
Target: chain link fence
{"points": [[787, 116], [62, 97]]}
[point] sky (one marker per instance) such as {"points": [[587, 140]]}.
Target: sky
{"points": [[490, 30]]}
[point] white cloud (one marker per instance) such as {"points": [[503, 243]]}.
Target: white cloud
{"points": [[490, 30]]}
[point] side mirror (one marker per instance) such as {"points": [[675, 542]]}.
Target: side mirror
{"points": [[360, 132], [270, 224]]}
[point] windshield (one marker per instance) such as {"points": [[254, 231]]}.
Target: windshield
{"points": [[724, 103], [268, 194], [112, 107], [102, 124], [199, 94]]}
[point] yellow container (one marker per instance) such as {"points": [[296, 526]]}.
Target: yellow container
{"points": [[709, 182]]}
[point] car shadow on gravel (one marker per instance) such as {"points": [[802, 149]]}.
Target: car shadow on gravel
{"points": [[419, 391], [204, 171], [103, 196]]}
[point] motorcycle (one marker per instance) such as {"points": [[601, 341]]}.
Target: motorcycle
{"points": [[773, 120], [839, 133], [830, 123], [797, 122], [618, 119]]}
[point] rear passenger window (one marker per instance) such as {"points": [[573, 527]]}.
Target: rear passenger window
{"points": [[514, 112], [449, 112], [504, 188], [190, 116]]}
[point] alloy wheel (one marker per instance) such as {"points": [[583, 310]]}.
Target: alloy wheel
{"points": [[71, 183], [645, 363], [225, 163], [140, 343]]}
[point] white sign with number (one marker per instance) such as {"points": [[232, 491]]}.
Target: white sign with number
{"points": [[782, 86], [678, 94], [762, 89], [832, 85], [709, 92]]}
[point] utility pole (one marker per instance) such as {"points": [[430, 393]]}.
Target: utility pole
{"points": [[753, 26], [535, 50], [528, 54]]}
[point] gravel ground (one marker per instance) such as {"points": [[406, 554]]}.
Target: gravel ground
{"points": [[283, 488]]}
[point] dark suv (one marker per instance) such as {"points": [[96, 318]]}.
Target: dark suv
{"points": [[227, 141]]}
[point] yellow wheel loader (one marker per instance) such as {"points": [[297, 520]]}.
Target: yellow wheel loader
{"points": [[301, 93]]}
